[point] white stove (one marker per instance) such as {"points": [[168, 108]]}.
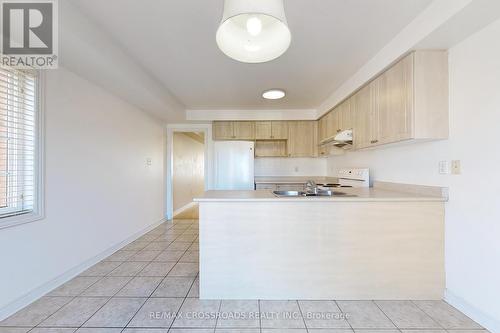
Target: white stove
{"points": [[350, 178]]}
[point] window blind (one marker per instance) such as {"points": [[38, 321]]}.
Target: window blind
{"points": [[18, 133]]}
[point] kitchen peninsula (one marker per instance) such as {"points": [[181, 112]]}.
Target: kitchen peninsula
{"points": [[385, 242]]}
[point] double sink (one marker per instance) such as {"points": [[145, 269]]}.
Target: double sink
{"points": [[320, 193]]}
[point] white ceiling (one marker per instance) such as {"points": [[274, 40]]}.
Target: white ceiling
{"points": [[175, 42]]}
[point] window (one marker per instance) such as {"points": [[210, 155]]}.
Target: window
{"points": [[20, 165]]}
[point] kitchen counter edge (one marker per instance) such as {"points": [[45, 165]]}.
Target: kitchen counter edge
{"points": [[361, 195]]}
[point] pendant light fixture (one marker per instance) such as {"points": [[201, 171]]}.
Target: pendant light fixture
{"points": [[253, 31]]}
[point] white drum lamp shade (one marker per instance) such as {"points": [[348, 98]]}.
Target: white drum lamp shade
{"points": [[253, 31]]}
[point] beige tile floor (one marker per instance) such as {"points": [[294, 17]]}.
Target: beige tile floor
{"points": [[138, 288]]}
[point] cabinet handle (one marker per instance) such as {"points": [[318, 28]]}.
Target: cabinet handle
{"points": [[374, 141]]}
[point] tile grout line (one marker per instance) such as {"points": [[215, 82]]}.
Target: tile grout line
{"points": [[302, 315], [217, 315], [192, 284], [147, 298], [41, 321], [418, 307], [428, 315], [109, 299], [166, 275], [184, 299], [385, 314], [342, 311], [260, 317], [71, 298], [150, 296]]}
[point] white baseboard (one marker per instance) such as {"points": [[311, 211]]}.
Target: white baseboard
{"points": [[483, 319], [184, 208], [38, 292]]}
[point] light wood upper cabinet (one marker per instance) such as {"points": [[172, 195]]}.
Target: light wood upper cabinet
{"points": [[394, 102], [332, 123], [234, 130], [345, 116], [223, 130], [409, 101], [263, 130], [279, 130], [271, 130], [302, 139], [362, 109], [271, 148], [339, 119], [322, 133], [244, 130]]}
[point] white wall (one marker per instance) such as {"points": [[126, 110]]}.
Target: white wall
{"points": [[473, 212], [290, 166], [188, 169], [81, 44], [99, 190]]}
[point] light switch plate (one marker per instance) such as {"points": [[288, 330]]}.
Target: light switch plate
{"points": [[456, 167]]}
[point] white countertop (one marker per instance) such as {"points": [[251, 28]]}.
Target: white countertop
{"points": [[362, 194]]}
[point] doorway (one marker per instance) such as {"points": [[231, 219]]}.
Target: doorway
{"points": [[188, 173]]}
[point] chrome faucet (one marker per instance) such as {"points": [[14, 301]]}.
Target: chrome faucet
{"points": [[311, 187]]}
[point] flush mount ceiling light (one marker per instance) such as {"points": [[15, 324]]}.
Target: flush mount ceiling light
{"points": [[273, 94], [253, 31]]}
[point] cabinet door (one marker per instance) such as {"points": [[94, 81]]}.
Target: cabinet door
{"points": [[395, 102], [322, 134], [345, 115], [332, 123], [270, 148], [362, 108], [279, 130], [223, 130], [244, 130], [263, 130], [302, 139]]}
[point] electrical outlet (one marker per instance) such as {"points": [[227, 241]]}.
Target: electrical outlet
{"points": [[444, 167], [296, 169], [149, 161], [456, 167]]}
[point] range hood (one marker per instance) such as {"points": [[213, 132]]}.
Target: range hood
{"points": [[342, 139]]}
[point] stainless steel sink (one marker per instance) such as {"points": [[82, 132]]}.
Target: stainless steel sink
{"points": [[327, 193], [289, 194]]}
